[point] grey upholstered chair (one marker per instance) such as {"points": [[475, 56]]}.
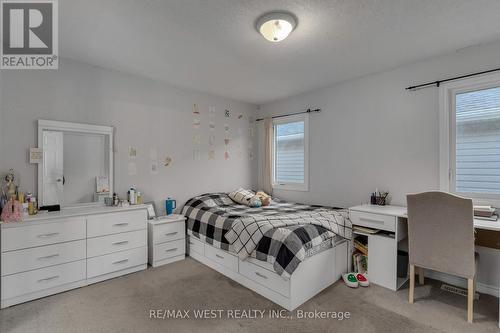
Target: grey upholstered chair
{"points": [[441, 238]]}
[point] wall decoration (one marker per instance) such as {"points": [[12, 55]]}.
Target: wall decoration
{"points": [[132, 169], [226, 128], [167, 161], [196, 154], [227, 113], [226, 155], [211, 140], [196, 123], [132, 152], [196, 139], [211, 154], [196, 111], [240, 116], [211, 125], [153, 167], [36, 155]]}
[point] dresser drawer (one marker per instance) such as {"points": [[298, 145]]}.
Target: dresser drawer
{"points": [[40, 279], [265, 277], [169, 231], [222, 257], [59, 231], [107, 224], [116, 261], [98, 246], [375, 221], [43, 256], [169, 250], [196, 245]]}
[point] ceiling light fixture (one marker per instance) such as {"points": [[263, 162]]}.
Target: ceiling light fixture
{"points": [[276, 26]]}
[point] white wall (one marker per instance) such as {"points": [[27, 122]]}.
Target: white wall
{"points": [[372, 133], [147, 114]]}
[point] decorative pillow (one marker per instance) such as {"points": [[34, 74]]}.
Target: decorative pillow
{"points": [[242, 196], [265, 198], [255, 202]]}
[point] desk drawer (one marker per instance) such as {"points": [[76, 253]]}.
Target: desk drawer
{"points": [[196, 245], [108, 224], [116, 261], [44, 256], [98, 246], [169, 231], [375, 221], [169, 250], [40, 279], [265, 277], [63, 230], [222, 257]]}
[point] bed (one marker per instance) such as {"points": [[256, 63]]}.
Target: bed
{"points": [[286, 252]]}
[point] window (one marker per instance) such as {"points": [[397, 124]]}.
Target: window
{"points": [[470, 155], [290, 153]]}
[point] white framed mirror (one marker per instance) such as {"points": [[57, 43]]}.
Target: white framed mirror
{"points": [[77, 163]]}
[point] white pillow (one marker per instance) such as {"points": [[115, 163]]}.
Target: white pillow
{"points": [[242, 196]]}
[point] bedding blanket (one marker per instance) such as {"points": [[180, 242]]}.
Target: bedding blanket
{"points": [[210, 217]]}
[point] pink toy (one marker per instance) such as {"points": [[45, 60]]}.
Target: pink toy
{"points": [[12, 211]]}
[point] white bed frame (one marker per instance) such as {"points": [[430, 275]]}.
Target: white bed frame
{"points": [[312, 276]]}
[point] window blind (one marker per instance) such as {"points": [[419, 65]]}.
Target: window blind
{"points": [[478, 141], [289, 152]]}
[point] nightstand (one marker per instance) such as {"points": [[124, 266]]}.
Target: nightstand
{"points": [[166, 240]]}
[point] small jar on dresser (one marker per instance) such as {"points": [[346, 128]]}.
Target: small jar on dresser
{"points": [[167, 240]]}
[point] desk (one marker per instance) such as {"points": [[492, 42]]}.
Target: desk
{"points": [[393, 219]]}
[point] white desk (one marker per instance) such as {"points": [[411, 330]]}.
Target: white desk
{"points": [[400, 213]]}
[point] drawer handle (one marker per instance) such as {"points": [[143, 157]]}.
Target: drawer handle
{"points": [[260, 275], [171, 250], [171, 233], [48, 257], [120, 243], [219, 256], [120, 224], [369, 219], [52, 234], [120, 262], [49, 278]]}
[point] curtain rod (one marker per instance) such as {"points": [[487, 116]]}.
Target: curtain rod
{"points": [[292, 114], [438, 83]]}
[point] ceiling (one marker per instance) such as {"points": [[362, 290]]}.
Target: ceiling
{"points": [[212, 45]]}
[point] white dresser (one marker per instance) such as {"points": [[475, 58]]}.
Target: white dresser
{"points": [[54, 252], [167, 240]]}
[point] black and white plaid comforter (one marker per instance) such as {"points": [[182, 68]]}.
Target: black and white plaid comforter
{"points": [[282, 233]]}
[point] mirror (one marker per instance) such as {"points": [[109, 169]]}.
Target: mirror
{"points": [[77, 164]]}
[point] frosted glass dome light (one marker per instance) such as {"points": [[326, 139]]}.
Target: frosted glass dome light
{"points": [[276, 26]]}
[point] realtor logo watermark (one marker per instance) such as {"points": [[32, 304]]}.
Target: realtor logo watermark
{"points": [[29, 33]]}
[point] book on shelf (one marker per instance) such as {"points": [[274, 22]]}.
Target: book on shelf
{"points": [[484, 211]]}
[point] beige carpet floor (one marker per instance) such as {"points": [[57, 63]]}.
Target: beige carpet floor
{"points": [[124, 304]]}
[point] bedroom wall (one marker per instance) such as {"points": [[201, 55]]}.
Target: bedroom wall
{"points": [[146, 114], [372, 133]]}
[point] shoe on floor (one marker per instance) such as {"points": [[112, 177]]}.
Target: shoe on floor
{"points": [[350, 280], [362, 280]]}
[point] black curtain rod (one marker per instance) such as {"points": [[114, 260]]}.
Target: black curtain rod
{"points": [[438, 83], [292, 114]]}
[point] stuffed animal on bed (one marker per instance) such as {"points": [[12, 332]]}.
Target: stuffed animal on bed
{"points": [[255, 202], [265, 198]]}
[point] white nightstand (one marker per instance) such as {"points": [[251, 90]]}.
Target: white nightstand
{"points": [[166, 240]]}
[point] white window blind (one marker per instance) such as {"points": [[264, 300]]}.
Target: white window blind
{"points": [[478, 141], [289, 152]]}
